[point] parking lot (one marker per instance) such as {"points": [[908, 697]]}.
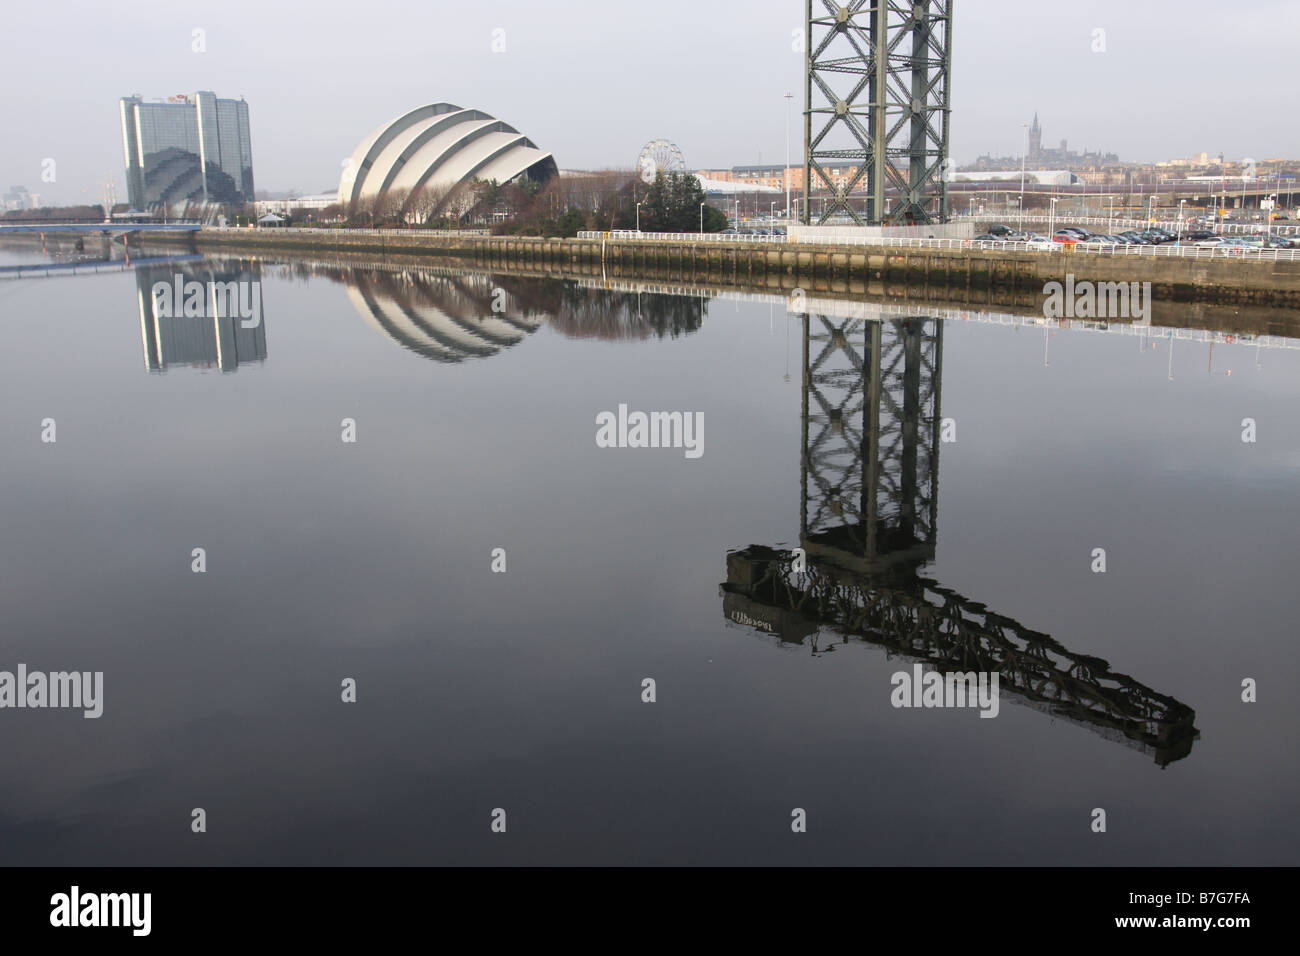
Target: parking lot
{"points": [[1196, 233]]}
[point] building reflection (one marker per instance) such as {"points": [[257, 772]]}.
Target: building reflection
{"points": [[452, 316], [225, 331], [443, 317], [869, 466]]}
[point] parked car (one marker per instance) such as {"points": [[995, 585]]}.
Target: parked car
{"points": [[1210, 241], [1000, 230], [989, 237], [1069, 238]]}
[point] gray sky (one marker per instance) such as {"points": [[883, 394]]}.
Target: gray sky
{"points": [[594, 81]]}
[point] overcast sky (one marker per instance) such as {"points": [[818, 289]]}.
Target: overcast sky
{"points": [[592, 81]]}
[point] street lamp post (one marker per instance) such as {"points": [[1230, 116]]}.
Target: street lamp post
{"points": [[638, 217], [1051, 223], [771, 212], [1020, 225], [1221, 209], [702, 205], [1150, 210], [788, 98], [1181, 203]]}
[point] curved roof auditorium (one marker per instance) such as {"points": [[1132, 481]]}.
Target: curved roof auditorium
{"points": [[435, 149]]}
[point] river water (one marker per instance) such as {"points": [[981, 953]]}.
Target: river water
{"points": [[502, 595]]}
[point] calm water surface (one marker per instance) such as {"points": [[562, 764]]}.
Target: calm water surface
{"points": [[523, 690]]}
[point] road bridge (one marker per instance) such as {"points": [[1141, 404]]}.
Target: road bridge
{"points": [[98, 228]]}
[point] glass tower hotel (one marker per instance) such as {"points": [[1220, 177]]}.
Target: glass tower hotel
{"points": [[188, 148]]}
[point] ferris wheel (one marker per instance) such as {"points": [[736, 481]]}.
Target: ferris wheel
{"points": [[659, 156]]}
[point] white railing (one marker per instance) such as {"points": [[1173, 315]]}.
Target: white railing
{"points": [[1122, 225], [1195, 252], [318, 231], [624, 235], [956, 230], [631, 234], [1172, 249]]}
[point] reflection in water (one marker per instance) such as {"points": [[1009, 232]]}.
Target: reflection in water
{"points": [[585, 312], [442, 314], [344, 548], [448, 314], [231, 331], [868, 524], [444, 317], [451, 316]]}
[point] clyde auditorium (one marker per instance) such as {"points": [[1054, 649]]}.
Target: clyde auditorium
{"points": [[439, 147]]}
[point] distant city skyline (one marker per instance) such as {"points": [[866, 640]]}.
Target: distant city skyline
{"points": [[592, 84]]}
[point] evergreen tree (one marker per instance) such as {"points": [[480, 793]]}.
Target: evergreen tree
{"points": [[672, 204]]}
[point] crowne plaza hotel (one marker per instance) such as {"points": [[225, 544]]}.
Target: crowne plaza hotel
{"points": [[189, 148]]}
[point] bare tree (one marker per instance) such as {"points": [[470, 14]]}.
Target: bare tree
{"points": [[361, 211], [390, 205], [425, 201]]}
